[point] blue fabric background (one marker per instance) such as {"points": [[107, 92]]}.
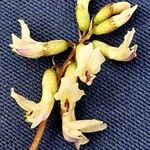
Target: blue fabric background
{"points": [[120, 95]]}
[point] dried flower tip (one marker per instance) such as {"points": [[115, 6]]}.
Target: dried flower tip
{"points": [[37, 112], [27, 47], [70, 72], [114, 22], [121, 53], [89, 61], [109, 10], [82, 14]]}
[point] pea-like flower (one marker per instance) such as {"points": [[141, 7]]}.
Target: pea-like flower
{"points": [[114, 22], [37, 112], [89, 61], [69, 94], [121, 53], [73, 129], [28, 47]]}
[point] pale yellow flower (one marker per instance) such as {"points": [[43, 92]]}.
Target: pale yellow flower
{"points": [[73, 129], [114, 22], [121, 53], [37, 112], [27, 47], [68, 93], [89, 61]]}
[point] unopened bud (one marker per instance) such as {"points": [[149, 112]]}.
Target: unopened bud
{"points": [[114, 22], [82, 14], [109, 10]]}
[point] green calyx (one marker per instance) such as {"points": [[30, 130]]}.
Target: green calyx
{"points": [[70, 72], [54, 47], [49, 81]]}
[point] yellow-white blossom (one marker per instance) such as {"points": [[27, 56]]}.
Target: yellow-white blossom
{"points": [[27, 47], [37, 112], [114, 22], [89, 61], [73, 129], [68, 93], [121, 53]]}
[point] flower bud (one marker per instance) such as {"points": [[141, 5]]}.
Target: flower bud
{"points": [[30, 48], [121, 53], [70, 72], [114, 22], [109, 10], [82, 14]]}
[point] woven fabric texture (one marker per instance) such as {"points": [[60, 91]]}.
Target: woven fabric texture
{"points": [[120, 95]]}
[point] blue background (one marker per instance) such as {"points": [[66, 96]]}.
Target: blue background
{"points": [[120, 95]]}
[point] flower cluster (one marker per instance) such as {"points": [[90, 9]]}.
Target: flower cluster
{"points": [[83, 63]]}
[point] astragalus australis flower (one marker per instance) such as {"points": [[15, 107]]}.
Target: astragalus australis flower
{"points": [[114, 22], [73, 129], [27, 47], [89, 61], [121, 53], [69, 94], [83, 62], [37, 112]]}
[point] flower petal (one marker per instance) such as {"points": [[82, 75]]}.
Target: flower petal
{"points": [[89, 62], [127, 39], [25, 32], [37, 120], [23, 102], [68, 90], [123, 17], [87, 125], [82, 57], [95, 61], [83, 140], [132, 53]]}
